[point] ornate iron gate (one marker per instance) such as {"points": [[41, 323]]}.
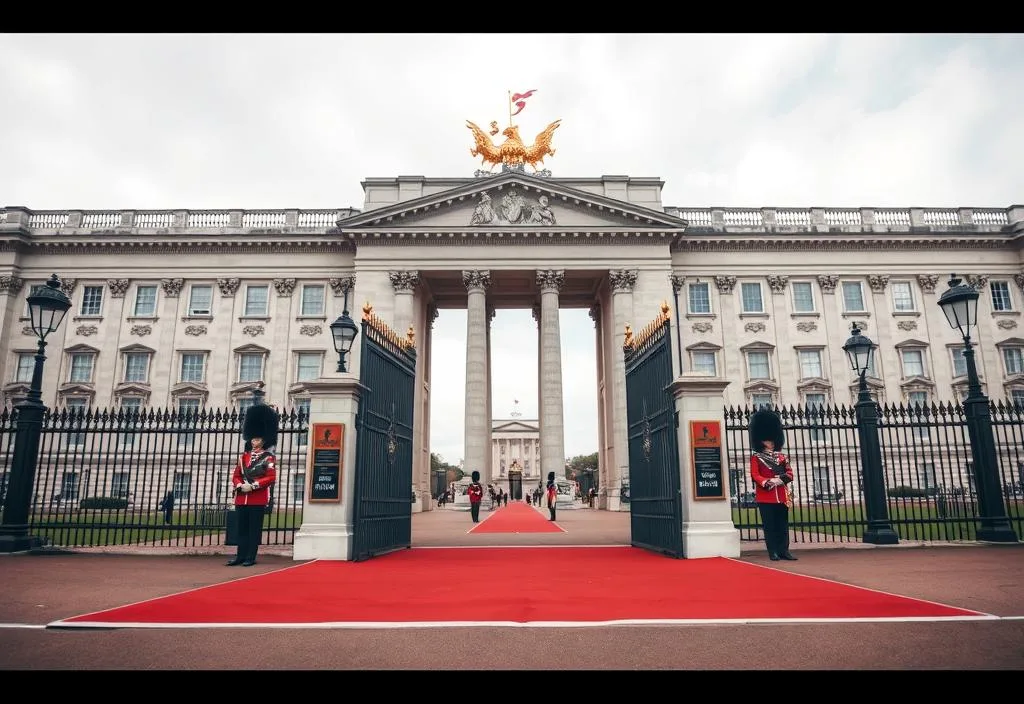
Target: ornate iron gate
{"points": [[655, 501], [382, 520]]}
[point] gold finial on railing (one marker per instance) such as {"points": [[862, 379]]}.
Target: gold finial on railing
{"points": [[628, 340], [410, 337], [375, 322], [653, 326], [367, 311], [665, 310]]}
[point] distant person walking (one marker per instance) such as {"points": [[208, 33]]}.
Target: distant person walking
{"points": [[167, 506]]}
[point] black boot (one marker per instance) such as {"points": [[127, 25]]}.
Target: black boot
{"points": [[232, 563], [774, 557], [787, 556]]}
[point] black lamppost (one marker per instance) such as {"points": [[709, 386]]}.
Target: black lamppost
{"points": [[344, 331], [960, 304], [47, 307], [860, 349]]}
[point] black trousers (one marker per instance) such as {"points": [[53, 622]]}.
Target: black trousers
{"points": [[474, 511], [775, 522], [551, 510], [250, 530]]}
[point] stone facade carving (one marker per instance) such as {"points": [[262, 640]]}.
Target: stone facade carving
{"points": [[754, 327], [27, 330], [878, 282], [253, 330], [535, 311], [11, 284], [284, 287], [550, 279], [1019, 278], [512, 210], [907, 325], [677, 281], [195, 330], [595, 314], [342, 285], [1007, 324], [228, 287], [68, 286], [702, 327], [432, 314], [491, 312], [86, 330], [171, 287], [806, 326], [978, 281], [927, 282], [141, 330], [622, 280], [310, 330], [476, 279], [404, 281], [828, 282], [862, 324], [778, 284], [118, 287], [725, 284]]}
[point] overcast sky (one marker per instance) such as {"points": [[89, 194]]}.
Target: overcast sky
{"points": [[274, 121]]}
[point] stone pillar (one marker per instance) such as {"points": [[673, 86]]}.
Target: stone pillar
{"points": [[622, 282], [540, 384], [552, 428], [326, 531], [491, 468], [404, 283], [10, 286], [477, 432], [602, 460], [708, 530]]}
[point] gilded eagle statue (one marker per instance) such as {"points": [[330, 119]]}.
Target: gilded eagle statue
{"points": [[512, 152]]}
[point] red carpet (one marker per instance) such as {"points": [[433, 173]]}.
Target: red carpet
{"points": [[517, 518], [568, 586]]}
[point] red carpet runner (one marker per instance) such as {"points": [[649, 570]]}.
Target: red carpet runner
{"points": [[517, 517], [571, 586]]}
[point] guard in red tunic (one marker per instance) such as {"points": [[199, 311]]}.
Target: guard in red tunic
{"points": [[254, 475], [772, 474], [476, 494]]}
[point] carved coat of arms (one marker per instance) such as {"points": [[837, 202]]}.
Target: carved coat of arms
{"points": [[512, 210]]}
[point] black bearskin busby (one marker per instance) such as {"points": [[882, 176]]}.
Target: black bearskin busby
{"points": [[766, 425], [551, 477], [260, 422], [476, 476]]}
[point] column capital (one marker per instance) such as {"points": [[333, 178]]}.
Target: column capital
{"points": [[622, 280], [477, 279], [404, 281], [536, 314], [343, 284], [595, 314], [431, 315], [550, 279], [678, 280]]}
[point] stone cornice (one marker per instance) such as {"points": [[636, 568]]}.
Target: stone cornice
{"points": [[769, 242]]}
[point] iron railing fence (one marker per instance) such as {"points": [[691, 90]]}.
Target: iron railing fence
{"points": [[926, 468], [102, 474]]}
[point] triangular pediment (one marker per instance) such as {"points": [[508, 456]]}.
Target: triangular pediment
{"points": [[510, 202], [513, 426]]}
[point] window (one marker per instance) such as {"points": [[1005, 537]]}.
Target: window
{"points": [[92, 301], [815, 405], [913, 363], [926, 477], [1017, 397], [902, 297], [136, 367], [1001, 300], [32, 290], [761, 400], [699, 298], [1012, 360], [704, 362], [312, 300], [821, 479], [918, 401], [810, 364], [130, 405], [193, 366], [188, 410], [68, 487], [145, 301], [250, 366], [200, 300], [256, 301], [119, 482], [308, 366], [750, 292], [81, 367], [758, 366], [872, 369], [959, 361], [26, 366], [298, 487], [803, 297], [245, 403], [853, 297], [182, 486], [76, 411], [302, 408]]}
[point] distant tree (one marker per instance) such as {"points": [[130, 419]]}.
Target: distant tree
{"points": [[579, 463]]}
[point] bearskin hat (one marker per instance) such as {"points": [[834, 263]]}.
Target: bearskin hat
{"points": [[260, 422], [766, 425], [551, 476], [475, 475]]}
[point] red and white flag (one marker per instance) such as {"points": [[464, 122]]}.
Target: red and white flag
{"points": [[519, 99]]}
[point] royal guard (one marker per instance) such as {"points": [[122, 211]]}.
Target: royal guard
{"points": [[476, 494], [255, 473], [552, 494], [772, 474]]}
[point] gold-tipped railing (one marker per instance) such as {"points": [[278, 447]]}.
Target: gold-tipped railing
{"points": [[374, 321], [633, 342]]}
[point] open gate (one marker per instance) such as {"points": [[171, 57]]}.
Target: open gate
{"points": [[655, 501], [382, 519]]}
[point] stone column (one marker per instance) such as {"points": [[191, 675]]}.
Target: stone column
{"points": [[602, 460], [477, 432], [622, 282], [552, 430], [404, 283], [10, 287], [491, 468]]}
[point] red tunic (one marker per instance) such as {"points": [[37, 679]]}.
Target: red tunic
{"points": [[260, 496], [761, 473]]}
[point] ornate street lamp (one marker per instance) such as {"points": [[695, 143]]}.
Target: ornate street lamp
{"points": [[47, 307], [860, 350], [344, 331], [960, 304]]}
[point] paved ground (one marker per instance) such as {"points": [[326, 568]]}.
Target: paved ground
{"points": [[989, 578]]}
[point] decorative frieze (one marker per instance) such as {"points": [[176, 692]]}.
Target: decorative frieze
{"points": [[928, 282], [512, 210], [141, 330], [171, 287], [828, 282], [978, 281], [778, 284], [228, 287], [118, 287], [1006, 324], [86, 330], [907, 325], [11, 284], [878, 282], [310, 330], [342, 285], [622, 280], [284, 287], [725, 284], [404, 281], [195, 330], [551, 280], [755, 327], [68, 286], [805, 326], [702, 327], [253, 330], [478, 279], [677, 282]]}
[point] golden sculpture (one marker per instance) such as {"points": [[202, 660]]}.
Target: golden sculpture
{"points": [[512, 152], [628, 340]]}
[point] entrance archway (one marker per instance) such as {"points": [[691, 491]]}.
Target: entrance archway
{"points": [[515, 483]]}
